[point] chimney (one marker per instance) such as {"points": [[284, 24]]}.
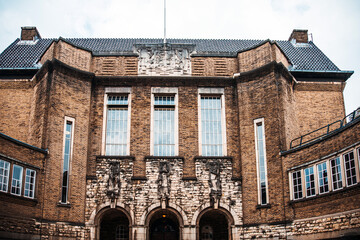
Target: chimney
{"points": [[299, 35], [29, 33]]}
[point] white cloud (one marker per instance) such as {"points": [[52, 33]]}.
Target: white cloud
{"points": [[334, 24]]}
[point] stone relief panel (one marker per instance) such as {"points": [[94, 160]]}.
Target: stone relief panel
{"points": [[214, 167], [113, 180], [164, 59]]}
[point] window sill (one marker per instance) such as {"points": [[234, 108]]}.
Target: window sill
{"points": [[10, 197], [263, 206], [66, 205], [328, 194]]}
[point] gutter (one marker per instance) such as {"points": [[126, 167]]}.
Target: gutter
{"points": [[23, 144]]}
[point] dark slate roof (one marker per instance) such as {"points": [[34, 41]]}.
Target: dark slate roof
{"points": [[304, 57]]}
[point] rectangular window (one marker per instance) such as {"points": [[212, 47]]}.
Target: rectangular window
{"points": [[68, 142], [164, 126], [16, 181], [261, 160], [211, 128], [336, 173], [297, 185], [309, 181], [350, 169], [30, 177], [117, 125], [323, 177], [4, 175]]}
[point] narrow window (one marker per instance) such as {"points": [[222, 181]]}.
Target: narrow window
{"points": [[16, 181], [4, 175], [297, 185], [350, 169], [336, 173], [309, 181], [68, 141], [323, 177], [261, 160], [30, 183], [211, 128], [117, 125], [164, 126]]}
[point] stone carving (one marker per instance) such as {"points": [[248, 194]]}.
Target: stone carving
{"points": [[164, 59], [214, 182], [164, 182], [113, 180]]}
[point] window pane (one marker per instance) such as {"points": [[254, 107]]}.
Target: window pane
{"points": [[259, 128], [350, 170], [211, 126], [336, 173], [116, 129], [164, 128], [297, 185], [16, 180], [66, 163], [30, 183], [4, 175], [310, 181], [323, 178]]}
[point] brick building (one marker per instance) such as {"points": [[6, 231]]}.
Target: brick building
{"points": [[187, 139]]}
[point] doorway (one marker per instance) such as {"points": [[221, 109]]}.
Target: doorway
{"points": [[114, 225], [214, 225], [164, 225]]}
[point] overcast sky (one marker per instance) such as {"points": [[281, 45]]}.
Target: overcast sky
{"points": [[333, 24]]}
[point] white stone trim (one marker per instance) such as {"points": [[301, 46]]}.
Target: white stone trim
{"points": [[160, 91], [109, 91], [213, 91], [257, 122], [153, 206], [72, 120], [222, 205]]}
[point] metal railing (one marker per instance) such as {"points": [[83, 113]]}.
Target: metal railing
{"points": [[325, 130]]}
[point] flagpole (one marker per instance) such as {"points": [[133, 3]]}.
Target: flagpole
{"points": [[164, 21]]}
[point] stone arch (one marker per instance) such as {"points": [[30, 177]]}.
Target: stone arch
{"points": [[220, 219], [155, 213], [173, 206], [226, 209], [98, 214]]}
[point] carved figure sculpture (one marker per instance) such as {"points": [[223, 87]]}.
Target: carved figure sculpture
{"points": [[164, 182], [214, 182], [113, 180]]}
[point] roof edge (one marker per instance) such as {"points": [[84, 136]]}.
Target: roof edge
{"points": [[20, 143]]}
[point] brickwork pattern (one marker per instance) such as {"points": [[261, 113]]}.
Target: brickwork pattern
{"points": [[213, 66]]}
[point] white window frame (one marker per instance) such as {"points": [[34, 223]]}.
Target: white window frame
{"points": [[318, 178], [291, 179], [72, 120], [163, 91], [31, 192], [261, 122], [216, 92], [341, 172], [116, 91], [5, 177], [315, 187], [356, 169], [19, 180]]}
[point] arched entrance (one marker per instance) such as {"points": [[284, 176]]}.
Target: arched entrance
{"points": [[214, 224], [164, 224], [114, 224]]}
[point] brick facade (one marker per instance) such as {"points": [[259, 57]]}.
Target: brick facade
{"points": [[137, 190]]}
